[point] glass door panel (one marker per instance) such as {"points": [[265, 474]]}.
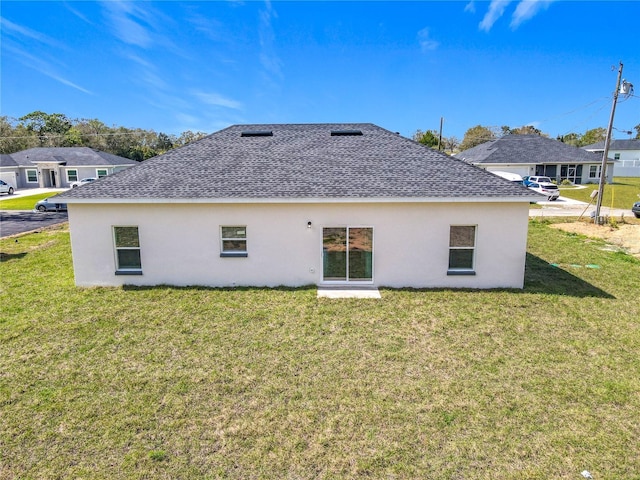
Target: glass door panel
{"points": [[360, 254], [334, 254]]}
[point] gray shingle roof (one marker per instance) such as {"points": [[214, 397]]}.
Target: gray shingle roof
{"points": [[73, 156], [527, 149], [302, 161], [7, 161], [632, 144]]}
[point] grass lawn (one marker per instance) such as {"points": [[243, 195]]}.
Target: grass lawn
{"points": [[23, 203], [163, 382], [624, 192]]}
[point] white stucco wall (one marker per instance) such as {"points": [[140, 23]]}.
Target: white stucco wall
{"points": [[180, 243]]}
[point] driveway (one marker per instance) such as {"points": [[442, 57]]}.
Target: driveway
{"points": [[567, 207], [13, 222]]}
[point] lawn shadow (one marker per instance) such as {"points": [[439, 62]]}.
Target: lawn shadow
{"points": [[281, 288], [5, 257], [542, 277]]}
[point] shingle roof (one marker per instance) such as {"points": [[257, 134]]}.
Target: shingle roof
{"points": [[302, 161], [7, 161], [632, 144], [527, 149], [73, 156]]}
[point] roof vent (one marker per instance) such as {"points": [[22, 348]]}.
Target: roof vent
{"points": [[257, 133], [345, 133]]}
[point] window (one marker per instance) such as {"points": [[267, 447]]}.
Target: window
{"points": [[72, 175], [594, 171], [101, 172], [32, 176], [233, 241], [462, 245], [127, 251]]}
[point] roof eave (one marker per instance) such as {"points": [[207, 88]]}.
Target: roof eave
{"points": [[311, 200]]}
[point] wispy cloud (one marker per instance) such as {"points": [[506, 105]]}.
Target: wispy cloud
{"points": [[77, 13], [20, 32], [426, 42], [470, 7], [527, 9], [268, 56], [496, 10], [126, 20], [43, 67], [217, 100]]}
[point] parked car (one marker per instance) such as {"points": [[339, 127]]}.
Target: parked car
{"points": [[84, 181], [6, 188], [636, 209], [549, 189], [50, 205], [535, 179]]}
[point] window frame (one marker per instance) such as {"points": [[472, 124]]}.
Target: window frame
{"points": [[105, 170], [27, 175], [463, 270], [69, 175], [234, 253], [126, 270]]}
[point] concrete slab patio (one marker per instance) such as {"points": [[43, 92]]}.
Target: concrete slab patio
{"points": [[348, 292]]}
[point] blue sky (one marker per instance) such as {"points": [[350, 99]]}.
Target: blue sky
{"points": [[174, 66]]}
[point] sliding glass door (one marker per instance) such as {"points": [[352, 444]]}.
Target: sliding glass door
{"points": [[347, 254]]}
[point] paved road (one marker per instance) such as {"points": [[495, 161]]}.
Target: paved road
{"points": [[566, 207], [13, 222]]}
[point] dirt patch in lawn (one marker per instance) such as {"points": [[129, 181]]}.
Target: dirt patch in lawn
{"points": [[625, 236]]}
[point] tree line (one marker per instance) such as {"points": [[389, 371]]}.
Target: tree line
{"points": [[481, 134], [40, 129]]}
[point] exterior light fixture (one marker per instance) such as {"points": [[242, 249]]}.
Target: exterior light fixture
{"points": [[309, 224]]}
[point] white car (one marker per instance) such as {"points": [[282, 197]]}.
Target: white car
{"points": [[551, 190], [84, 181], [6, 188]]}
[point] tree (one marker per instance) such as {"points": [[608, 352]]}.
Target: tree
{"points": [[451, 143], [41, 129], [637, 129], [571, 139], [428, 138], [15, 137], [187, 137], [524, 130], [594, 135], [476, 136], [49, 128]]}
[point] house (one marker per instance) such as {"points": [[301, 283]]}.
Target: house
{"points": [[58, 167], [537, 155], [625, 152], [300, 204]]}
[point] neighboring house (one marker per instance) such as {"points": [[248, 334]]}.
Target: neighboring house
{"points": [[537, 155], [626, 152], [58, 167], [300, 204]]}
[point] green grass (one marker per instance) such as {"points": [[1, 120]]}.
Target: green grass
{"points": [[23, 203], [255, 383], [624, 192]]}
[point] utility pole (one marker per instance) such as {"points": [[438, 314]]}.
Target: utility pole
{"points": [[440, 139], [605, 154]]}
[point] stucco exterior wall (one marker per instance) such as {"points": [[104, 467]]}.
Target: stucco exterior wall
{"points": [[180, 243]]}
